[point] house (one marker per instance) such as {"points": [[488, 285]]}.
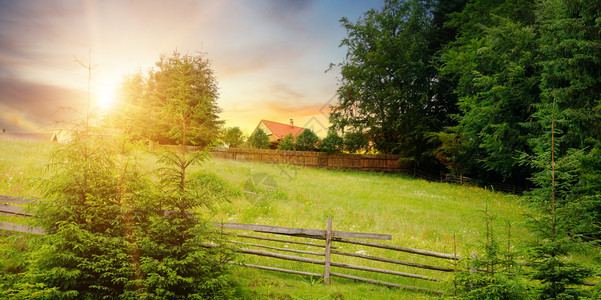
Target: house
{"points": [[277, 131]]}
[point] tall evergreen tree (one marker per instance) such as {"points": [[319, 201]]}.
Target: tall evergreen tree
{"points": [[571, 80], [147, 100], [555, 177], [571, 76], [493, 65], [497, 85]]}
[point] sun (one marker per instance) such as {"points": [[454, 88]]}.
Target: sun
{"points": [[105, 98]]}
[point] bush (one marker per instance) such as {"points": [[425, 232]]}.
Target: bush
{"points": [[494, 276], [288, 143], [259, 139], [333, 143], [307, 141], [112, 234], [355, 141], [233, 137]]}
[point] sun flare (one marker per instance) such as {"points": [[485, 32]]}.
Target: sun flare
{"points": [[105, 98]]}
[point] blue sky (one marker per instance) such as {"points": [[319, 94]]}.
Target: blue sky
{"points": [[269, 57]]}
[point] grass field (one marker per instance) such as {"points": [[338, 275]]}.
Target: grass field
{"points": [[418, 214]]}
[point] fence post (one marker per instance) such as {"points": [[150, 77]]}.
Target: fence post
{"points": [[326, 275]]}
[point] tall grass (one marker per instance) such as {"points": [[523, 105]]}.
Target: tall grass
{"points": [[418, 214], [21, 164]]}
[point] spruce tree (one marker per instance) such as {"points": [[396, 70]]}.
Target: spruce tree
{"points": [[555, 178]]}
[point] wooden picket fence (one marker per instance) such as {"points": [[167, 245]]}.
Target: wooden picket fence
{"points": [[265, 241], [311, 159]]}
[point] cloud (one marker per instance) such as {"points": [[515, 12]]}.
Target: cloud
{"points": [[287, 110], [268, 56], [31, 107]]}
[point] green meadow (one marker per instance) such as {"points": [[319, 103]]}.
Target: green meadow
{"points": [[418, 214]]}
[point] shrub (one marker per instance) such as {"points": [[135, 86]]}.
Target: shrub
{"points": [[112, 234], [493, 276], [233, 137], [333, 143], [259, 139], [307, 141], [288, 143], [355, 141]]}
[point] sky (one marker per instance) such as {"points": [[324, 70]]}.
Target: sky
{"points": [[269, 56]]}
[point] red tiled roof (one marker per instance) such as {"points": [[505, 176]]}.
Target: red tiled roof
{"points": [[281, 130]]}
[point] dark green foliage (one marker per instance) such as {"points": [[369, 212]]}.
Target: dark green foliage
{"points": [[175, 262], [182, 88], [388, 84], [570, 47], [555, 178], [307, 141], [112, 234], [233, 137], [259, 139], [288, 143], [84, 264], [88, 220], [495, 275], [332, 143], [453, 152], [584, 208], [497, 87], [355, 142]]}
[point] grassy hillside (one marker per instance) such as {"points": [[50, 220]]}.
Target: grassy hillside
{"points": [[418, 214]]}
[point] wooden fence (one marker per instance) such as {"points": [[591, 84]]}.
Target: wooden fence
{"points": [[327, 237], [364, 162]]}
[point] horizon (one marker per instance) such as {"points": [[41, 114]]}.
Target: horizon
{"points": [[269, 57]]}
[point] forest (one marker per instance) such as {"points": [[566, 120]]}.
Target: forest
{"points": [[469, 85], [498, 91]]}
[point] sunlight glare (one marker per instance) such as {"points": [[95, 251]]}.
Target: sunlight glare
{"points": [[105, 98]]}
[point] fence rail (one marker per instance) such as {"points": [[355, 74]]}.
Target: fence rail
{"points": [[327, 249], [364, 162], [330, 237]]}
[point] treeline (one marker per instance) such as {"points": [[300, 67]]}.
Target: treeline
{"points": [[477, 88], [307, 140], [465, 85], [494, 90]]}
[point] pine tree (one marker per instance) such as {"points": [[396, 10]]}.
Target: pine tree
{"points": [[555, 178]]}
